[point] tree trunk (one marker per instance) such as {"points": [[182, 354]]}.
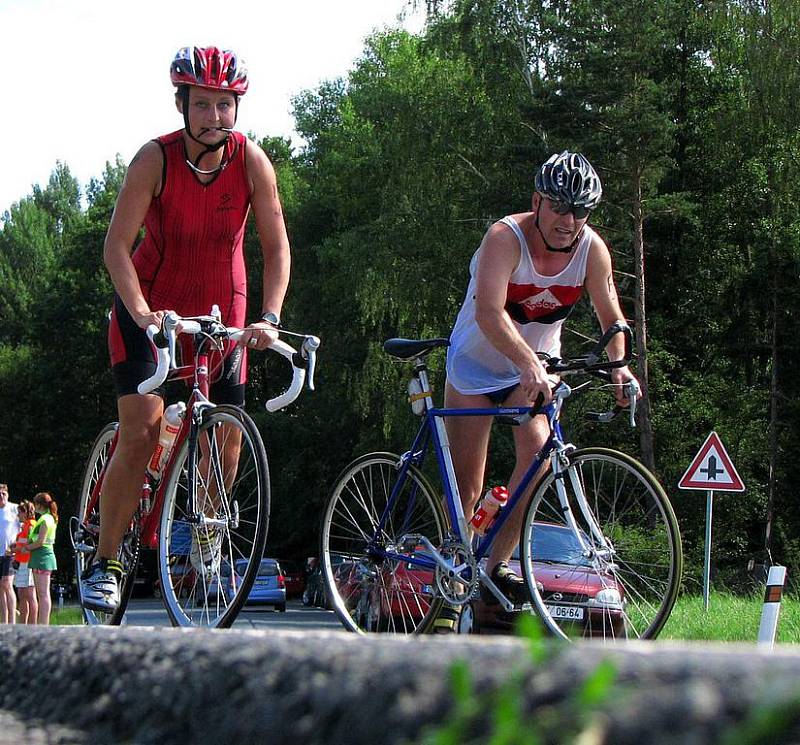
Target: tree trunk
{"points": [[643, 409], [773, 425]]}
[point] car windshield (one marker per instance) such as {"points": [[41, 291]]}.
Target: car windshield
{"points": [[553, 543], [267, 568]]}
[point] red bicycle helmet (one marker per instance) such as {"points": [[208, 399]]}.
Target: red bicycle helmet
{"points": [[209, 67]]}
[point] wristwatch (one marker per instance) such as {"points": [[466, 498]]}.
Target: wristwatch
{"points": [[272, 318]]}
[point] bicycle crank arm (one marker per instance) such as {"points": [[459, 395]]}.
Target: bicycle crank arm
{"points": [[495, 590], [451, 571]]}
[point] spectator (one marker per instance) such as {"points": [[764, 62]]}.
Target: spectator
{"points": [[43, 558], [9, 526], [23, 579]]}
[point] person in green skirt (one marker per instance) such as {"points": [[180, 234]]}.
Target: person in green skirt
{"points": [[40, 544]]}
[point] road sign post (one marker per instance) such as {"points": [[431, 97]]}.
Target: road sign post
{"points": [[707, 563], [711, 470]]}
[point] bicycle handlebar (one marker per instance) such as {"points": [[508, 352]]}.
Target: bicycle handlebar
{"points": [[164, 340]]}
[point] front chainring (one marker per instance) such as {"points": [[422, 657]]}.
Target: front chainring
{"points": [[464, 567]]}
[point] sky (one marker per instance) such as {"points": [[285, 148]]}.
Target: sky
{"points": [[88, 79]]}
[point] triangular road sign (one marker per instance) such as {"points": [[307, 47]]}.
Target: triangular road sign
{"points": [[712, 469]]}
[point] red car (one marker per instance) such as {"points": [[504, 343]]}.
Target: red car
{"points": [[294, 577], [572, 590]]}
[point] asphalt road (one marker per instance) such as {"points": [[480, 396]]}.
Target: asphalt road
{"points": [[150, 612]]}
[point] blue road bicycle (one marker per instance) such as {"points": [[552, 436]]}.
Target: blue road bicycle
{"points": [[599, 549]]}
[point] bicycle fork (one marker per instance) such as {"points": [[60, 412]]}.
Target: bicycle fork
{"points": [[601, 552]]}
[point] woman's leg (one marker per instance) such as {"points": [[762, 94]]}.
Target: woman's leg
{"points": [[139, 421], [41, 579], [28, 596]]}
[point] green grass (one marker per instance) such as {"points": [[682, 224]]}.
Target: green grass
{"points": [[67, 616], [730, 618]]}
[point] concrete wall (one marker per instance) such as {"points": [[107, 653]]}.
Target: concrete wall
{"points": [[138, 685]]}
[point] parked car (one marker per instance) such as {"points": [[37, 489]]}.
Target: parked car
{"points": [[184, 578], [294, 578], [269, 587], [212, 590], [571, 588]]}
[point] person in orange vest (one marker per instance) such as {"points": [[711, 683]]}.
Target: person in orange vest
{"points": [[27, 605]]}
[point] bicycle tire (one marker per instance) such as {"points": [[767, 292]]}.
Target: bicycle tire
{"points": [[369, 592], [87, 530], [626, 593], [213, 599]]}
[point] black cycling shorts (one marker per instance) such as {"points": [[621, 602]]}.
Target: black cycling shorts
{"points": [[133, 361]]}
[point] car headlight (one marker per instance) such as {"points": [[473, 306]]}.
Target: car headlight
{"points": [[608, 596]]}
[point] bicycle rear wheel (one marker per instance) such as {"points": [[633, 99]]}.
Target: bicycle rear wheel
{"points": [[85, 531], [371, 592], [229, 516], [621, 586]]}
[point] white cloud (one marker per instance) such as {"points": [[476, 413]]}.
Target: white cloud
{"points": [[90, 77]]}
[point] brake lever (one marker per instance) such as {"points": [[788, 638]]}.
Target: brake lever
{"points": [[168, 326], [633, 389], [310, 346]]}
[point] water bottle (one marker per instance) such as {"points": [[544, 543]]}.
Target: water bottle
{"points": [[487, 510], [170, 426]]}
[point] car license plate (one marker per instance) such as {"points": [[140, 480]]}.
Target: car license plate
{"points": [[568, 612]]}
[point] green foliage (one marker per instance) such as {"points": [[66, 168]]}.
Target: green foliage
{"points": [[500, 716]]}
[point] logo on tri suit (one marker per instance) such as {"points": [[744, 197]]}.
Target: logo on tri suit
{"points": [[225, 203], [542, 302]]}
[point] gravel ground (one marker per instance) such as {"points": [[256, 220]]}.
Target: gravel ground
{"points": [[140, 685]]}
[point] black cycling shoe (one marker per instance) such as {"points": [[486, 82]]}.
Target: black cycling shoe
{"points": [[509, 583]]}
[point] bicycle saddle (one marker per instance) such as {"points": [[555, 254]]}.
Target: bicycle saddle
{"points": [[408, 349]]}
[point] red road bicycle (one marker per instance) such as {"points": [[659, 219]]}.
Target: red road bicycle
{"points": [[215, 479]]}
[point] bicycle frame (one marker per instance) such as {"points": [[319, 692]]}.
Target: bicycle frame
{"points": [[432, 430], [196, 403]]}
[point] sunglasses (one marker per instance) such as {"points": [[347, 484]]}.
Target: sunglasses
{"points": [[579, 211]]}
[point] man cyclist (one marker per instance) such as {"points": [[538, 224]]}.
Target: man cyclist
{"points": [[525, 278], [192, 190]]}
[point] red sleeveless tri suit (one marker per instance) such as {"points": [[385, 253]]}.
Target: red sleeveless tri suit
{"points": [[192, 254]]}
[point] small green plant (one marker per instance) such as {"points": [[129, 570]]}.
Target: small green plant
{"points": [[500, 717]]}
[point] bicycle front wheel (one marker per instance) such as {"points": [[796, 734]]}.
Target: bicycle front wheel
{"points": [[85, 531], [615, 572], [214, 521], [370, 516]]}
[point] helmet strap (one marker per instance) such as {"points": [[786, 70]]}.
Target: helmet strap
{"points": [[566, 249], [195, 166]]}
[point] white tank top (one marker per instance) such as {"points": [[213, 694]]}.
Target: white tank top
{"points": [[537, 304]]}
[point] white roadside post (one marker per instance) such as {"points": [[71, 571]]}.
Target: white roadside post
{"points": [[772, 606], [711, 470]]}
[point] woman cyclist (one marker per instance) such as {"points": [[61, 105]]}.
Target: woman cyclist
{"points": [[192, 191]]}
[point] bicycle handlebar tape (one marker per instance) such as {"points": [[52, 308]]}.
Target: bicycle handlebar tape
{"points": [[615, 328]]}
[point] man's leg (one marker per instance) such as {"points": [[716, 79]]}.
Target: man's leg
{"points": [[469, 444], [528, 441], [9, 598]]}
